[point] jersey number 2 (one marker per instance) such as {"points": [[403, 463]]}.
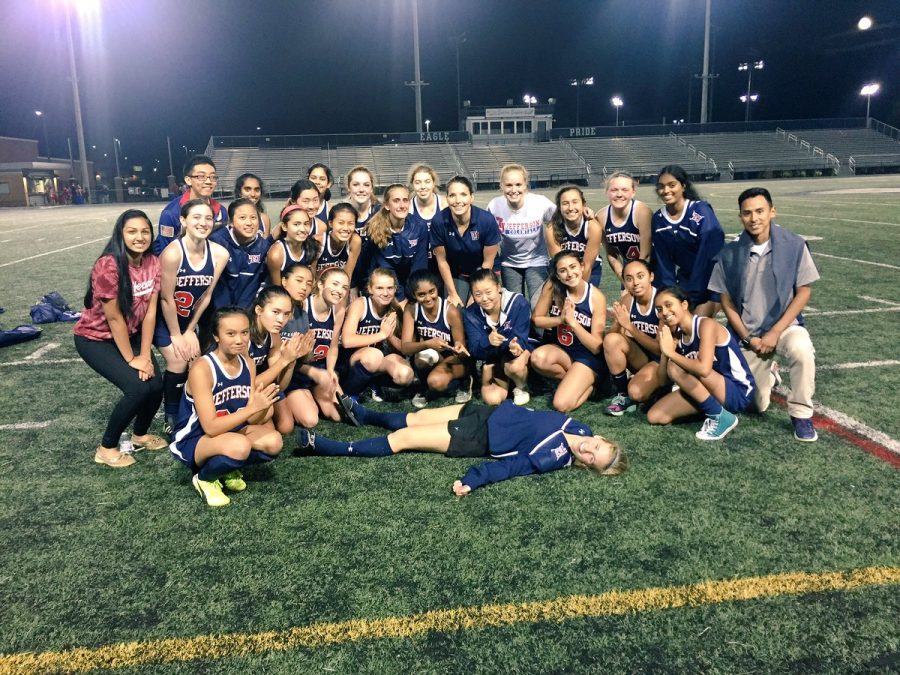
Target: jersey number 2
{"points": [[183, 303]]}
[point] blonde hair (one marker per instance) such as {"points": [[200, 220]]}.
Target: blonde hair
{"points": [[620, 464], [394, 306], [379, 226], [423, 168], [513, 167], [622, 174]]}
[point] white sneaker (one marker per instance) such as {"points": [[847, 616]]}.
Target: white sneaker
{"points": [[428, 357], [419, 401], [520, 396], [464, 395]]}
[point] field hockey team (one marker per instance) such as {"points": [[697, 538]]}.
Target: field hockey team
{"points": [[266, 325]]}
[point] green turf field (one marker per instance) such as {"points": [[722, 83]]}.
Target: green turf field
{"points": [[350, 565]]}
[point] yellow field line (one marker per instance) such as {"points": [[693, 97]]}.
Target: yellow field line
{"points": [[212, 647]]}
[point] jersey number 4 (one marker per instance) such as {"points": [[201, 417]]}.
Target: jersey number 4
{"points": [[634, 252]]}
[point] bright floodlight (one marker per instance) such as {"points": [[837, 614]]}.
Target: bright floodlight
{"points": [[38, 113], [865, 23], [870, 89], [753, 97], [617, 101]]}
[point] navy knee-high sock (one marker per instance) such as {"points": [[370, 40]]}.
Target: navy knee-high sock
{"points": [[387, 420], [358, 376], [259, 457], [710, 406], [620, 381], [173, 387], [368, 447], [219, 465]]}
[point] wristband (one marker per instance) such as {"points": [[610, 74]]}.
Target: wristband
{"points": [[745, 341]]}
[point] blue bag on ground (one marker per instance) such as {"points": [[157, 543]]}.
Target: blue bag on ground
{"points": [[18, 334], [51, 308]]}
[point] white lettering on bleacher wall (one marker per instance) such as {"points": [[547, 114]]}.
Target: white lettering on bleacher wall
{"points": [[582, 131], [441, 136]]}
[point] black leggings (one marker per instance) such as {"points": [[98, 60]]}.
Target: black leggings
{"points": [[140, 400]]}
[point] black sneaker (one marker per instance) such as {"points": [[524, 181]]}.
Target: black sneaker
{"points": [[346, 410], [306, 439]]}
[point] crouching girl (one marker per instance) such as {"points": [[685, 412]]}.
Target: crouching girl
{"points": [[223, 423]]}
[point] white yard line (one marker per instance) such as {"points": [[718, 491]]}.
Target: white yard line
{"points": [[40, 362], [837, 257], [850, 423], [848, 312], [858, 364], [879, 300], [24, 425], [40, 352], [842, 220], [59, 250]]}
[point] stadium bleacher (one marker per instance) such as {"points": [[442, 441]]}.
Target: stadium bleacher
{"points": [[754, 152], [641, 156], [866, 147]]}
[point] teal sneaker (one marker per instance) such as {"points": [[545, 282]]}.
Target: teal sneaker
{"points": [[620, 405], [716, 428]]}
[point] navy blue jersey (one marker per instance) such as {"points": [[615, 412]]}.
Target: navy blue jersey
{"points": [[370, 324], [288, 257], [418, 218], [525, 441], [465, 252], [361, 221], [230, 394], [190, 285], [260, 352], [647, 323], [245, 271], [439, 328], [514, 322], [323, 328], [405, 253], [331, 259], [323, 212], [298, 324], [577, 243], [562, 335], [727, 358], [684, 249], [623, 239]]}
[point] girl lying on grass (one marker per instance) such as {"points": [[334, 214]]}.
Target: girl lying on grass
{"points": [[523, 441]]}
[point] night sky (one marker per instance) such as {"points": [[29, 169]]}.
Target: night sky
{"points": [[197, 68]]}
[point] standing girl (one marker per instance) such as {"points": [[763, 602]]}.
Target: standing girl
{"points": [[342, 244], [497, 324], [464, 238], [627, 229], [250, 186], [115, 333], [190, 267], [434, 336], [573, 316], [223, 421], [703, 358], [631, 343], [293, 243], [247, 250], [370, 330], [361, 196], [321, 175], [687, 237], [314, 386], [521, 216], [571, 230], [395, 241]]}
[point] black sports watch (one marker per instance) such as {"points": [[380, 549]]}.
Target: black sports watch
{"points": [[745, 341]]}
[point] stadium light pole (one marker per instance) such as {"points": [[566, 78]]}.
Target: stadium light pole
{"points": [[704, 95], [529, 100], [417, 84], [617, 103], [117, 145], [868, 91], [749, 66], [748, 99], [40, 114], [427, 126], [578, 84], [79, 125], [457, 41]]}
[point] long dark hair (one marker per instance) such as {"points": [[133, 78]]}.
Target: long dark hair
{"points": [[239, 185], [318, 165], [257, 334], [679, 174], [310, 246], [559, 288], [557, 225], [115, 247]]}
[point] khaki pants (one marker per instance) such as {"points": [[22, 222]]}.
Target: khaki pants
{"points": [[795, 350]]}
